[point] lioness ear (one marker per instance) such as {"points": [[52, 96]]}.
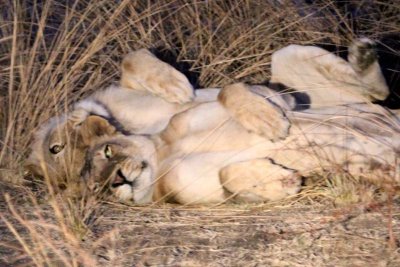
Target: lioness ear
{"points": [[94, 127], [77, 117]]}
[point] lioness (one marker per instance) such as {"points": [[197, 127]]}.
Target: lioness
{"points": [[222, 160], [206, 155], [149, 94], [61, 146]]}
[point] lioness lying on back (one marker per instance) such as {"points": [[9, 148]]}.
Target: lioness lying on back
{"points": [[59, 146], [205, 155], [215, 164], [251, 111], [149, 94]]}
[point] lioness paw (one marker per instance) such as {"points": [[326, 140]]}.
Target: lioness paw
{"points": [[364, 61], [141, 70], [175, 88], [266, 122], [254, 112], [131, 169], [259, 180], [362, 54]]}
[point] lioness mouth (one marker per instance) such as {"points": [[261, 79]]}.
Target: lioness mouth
{"points": [[120, 179]]}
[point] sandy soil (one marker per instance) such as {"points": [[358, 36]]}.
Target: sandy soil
{"points": [[230, 235]]}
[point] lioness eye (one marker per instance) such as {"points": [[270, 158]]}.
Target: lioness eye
{"points": [[56, 149], [108, 151]]}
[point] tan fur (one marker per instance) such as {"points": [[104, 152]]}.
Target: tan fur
{"points": [[63, 168], [253, 112], [137, 107], [330, 80], [260, 180], [142, 71], [200, 157], [220, 159], [210, 153], [151, 92], [216, 165], [131, 159]]}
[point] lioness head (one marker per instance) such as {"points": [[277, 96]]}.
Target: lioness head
{"points": [[60, 147], [123, 165]]}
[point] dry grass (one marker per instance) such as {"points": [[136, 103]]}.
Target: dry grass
{"points": [[55, 52]]}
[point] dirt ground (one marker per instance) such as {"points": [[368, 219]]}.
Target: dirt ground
{"points": [[229, 235]]}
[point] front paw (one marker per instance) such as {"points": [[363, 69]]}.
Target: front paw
{"points": [[254, 112], [141, 70], [362, 54]]}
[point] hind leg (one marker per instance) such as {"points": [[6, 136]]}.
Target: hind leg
{"points": [[328, 79], [259, 180]]}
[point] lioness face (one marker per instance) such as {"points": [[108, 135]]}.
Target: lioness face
{"points": [[121, 166], [59, 151]]}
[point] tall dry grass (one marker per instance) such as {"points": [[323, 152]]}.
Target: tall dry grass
{"points": [[53, 53]]}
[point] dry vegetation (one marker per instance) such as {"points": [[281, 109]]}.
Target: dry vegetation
{"points": [[54, 52]]}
